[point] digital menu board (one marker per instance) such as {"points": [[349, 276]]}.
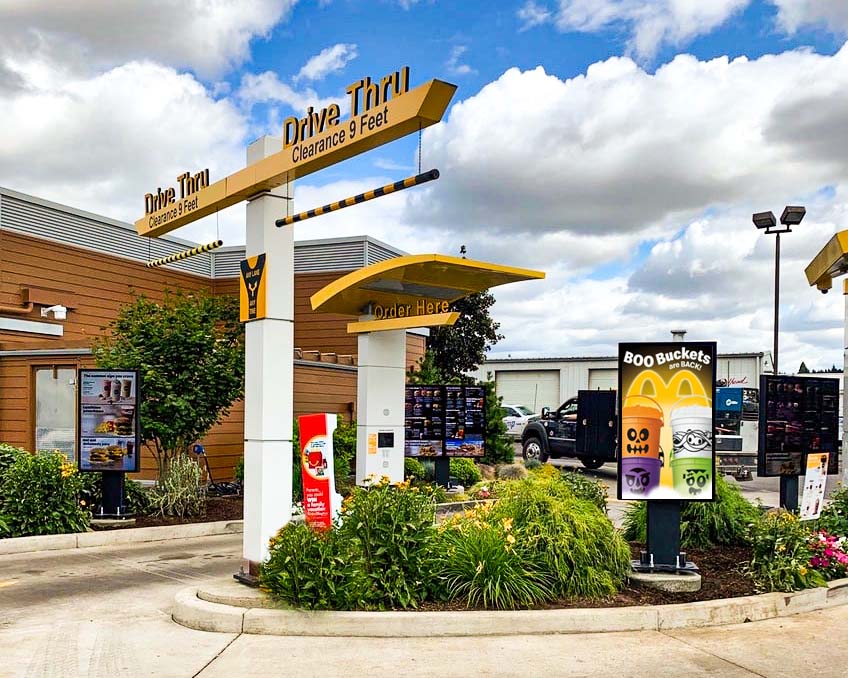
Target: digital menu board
{"points": [[798, 416], [445, 420], [424, 424], [107, 403], [464, 417]]}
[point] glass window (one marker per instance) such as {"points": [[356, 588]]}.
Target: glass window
{"points": [[526, 411], [55, 410]]}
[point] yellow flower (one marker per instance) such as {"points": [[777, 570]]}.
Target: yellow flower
{"points": [[802, 570], [781, 547], [507, 524], [510, 538]]}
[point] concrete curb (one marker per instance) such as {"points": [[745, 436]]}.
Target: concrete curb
{"points": [[129, 535], [199, 613]]}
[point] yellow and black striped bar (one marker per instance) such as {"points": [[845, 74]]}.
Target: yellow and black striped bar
{"points": [[409, 182], [185, 254]]}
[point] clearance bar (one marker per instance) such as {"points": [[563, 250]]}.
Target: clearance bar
{"points": [[414, 110], [388, 189], [185, 254]]}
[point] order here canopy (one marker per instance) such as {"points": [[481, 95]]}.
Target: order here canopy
{"points": [[412, 290]]}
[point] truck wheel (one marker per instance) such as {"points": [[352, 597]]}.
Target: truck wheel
{"points": [[592, 463], [532, 449]]}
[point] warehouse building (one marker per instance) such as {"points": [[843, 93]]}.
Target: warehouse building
{"points": [[548, 382]]}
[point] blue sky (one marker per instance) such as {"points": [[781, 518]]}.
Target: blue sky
{"points": [[618, 145]]}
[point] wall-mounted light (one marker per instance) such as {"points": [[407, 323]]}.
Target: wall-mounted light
{"points": [[59, 312]]}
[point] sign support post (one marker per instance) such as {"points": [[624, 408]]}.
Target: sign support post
{"points": [[381, 376], [269, 378]]}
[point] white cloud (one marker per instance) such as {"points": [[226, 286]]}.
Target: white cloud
{"points": [[576, 177], [533, 14], [100, 143], [266, 87], [328, 60], [795, 14], [453, 64], [649, 23], [208, 36]]}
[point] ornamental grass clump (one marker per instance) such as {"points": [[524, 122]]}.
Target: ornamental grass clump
{"points": [[583, 553], [484, 561]]}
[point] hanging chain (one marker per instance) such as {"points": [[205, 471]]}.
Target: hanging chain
{"points": [[419, 148]]}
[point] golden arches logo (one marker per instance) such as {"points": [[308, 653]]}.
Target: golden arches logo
{"points": [[683, 384]]}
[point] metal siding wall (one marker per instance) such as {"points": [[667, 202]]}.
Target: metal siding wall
{"points": [[40, 221]]}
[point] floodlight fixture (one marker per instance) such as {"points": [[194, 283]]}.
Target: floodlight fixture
{"points": [[792, 215], [764, 219]]}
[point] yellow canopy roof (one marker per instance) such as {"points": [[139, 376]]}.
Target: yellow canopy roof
{"points": [[412, 279], [830, 262]]}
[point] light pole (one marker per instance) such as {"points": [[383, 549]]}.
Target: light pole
{"points": [[792, 216]]}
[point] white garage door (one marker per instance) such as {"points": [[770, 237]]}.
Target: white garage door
{"points": [[603, 380], [533, 389]]}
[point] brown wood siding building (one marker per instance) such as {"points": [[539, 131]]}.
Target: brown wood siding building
{"points": [[41, 261]]}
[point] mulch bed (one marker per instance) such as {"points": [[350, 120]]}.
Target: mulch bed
{"points": [[217, 508]]}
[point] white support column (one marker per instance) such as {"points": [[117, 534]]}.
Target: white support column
{"points": [[269, 379], [380, 401], [844, 393]]}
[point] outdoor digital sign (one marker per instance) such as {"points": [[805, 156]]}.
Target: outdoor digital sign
{"points": [[444, 421], [798, 416], [107, 406], [667, 421]]}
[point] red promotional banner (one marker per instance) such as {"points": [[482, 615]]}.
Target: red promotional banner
{"points": [[316, 464]]}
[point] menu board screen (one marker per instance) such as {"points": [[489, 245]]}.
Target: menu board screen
{"points": [[424, 410], [445, 420], [798, 416], [107, 403], [465, 437]]}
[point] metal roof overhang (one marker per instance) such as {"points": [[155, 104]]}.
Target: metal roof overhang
{"points": [[830, 262], [410, 279]]}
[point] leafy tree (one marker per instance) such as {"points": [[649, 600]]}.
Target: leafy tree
{"points": [[461, 347], [499, 449], [427, 372], [803, 368], [189, 351]]}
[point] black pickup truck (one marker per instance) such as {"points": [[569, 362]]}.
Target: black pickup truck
{"points": [[583, 427]]}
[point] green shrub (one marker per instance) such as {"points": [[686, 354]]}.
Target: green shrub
{"points": [[834, 516], [178, 491], [511, 472], [8, 455], [583, 553], [39, 494], [532, 464], [702, 524], [238, 471], [344, 448], [591, 490], [780, 554], [465, 471], [483, 561], [313, 570], [392, 527], [413, 469]]}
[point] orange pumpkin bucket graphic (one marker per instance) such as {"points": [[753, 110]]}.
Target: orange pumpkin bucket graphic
{"points": [[641, 423]]}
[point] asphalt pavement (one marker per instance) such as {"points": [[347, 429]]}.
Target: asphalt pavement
{"points": [[105, 612]]}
